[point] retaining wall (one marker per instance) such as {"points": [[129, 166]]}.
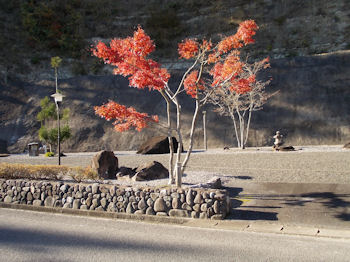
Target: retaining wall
{"points": [[194, 203]]}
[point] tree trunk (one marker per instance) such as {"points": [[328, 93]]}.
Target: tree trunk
{"points": [[170, 139], [248, 125], [180, 144], [193, 128], [235, 125]]}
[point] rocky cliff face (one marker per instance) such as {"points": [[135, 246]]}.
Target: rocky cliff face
{"points": [[312, 107], [307, 41]]}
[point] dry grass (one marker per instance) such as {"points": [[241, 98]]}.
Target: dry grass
{"points": [[45, 172]]}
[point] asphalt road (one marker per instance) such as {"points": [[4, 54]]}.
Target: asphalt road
{"points": [[35, 236]]}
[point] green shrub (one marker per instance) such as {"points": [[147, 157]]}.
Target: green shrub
{"points": [[49, 154]]}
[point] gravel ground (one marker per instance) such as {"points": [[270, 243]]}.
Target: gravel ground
{"points": [[308, 164]]}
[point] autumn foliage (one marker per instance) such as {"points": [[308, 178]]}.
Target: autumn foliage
{"points": [[124, 117], [129, 56], [216, 69]]}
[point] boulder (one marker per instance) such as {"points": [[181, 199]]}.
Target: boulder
{"points": [[125, 172], [151, 171], [105, 163], [283, 148], [157, 145], [347, 145], [214, 183], [3, 147]]}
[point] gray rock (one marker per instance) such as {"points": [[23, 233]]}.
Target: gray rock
{"points": [[140, 212], [198, 199], [186, 206], [99, 209], [203, 215], [210, 211], [105, 163], [134, 205], [150, 202], [64, 188], [150, 211], [58, 203], [120, 192], [154, 196], [49, 201], [43, 196], [130, 209], [8, 199], [204, 207], [197, 207], [194, 214], [88, 189], [95, 188], [111, 207], [9, 193], [112, 191], [189, 197], [150, 171], [78, 194], [76, 204], [142, 204], [159, 205], [120, 205], [103, 202], [69, 200], [37, 202], [67, 205], [176, 203], [178, 213], [36, 195], [217, 217], [88, 202], [163, 214], [216, 207], [95, 202]]}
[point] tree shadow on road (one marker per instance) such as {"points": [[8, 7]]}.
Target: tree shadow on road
{"points": [[240, 214]]}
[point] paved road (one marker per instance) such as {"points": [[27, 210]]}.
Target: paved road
{"points": [[35, 236]]}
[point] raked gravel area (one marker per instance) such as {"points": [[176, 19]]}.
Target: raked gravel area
{"points": [[308, 164]]}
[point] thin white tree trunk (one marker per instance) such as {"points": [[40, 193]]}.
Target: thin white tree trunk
{"points": [[180, 144], [248, 125], [235, 125], [193, 128], [241, 128], [171, 145]]}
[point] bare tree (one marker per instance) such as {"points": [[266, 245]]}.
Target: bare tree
{"points": [[240, 99]]}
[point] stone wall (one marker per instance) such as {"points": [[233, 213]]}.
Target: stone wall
{"points": [[194, 203]]}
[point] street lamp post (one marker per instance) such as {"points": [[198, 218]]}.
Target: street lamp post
{"points": [[58, 99]]}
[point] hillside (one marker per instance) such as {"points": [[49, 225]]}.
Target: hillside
{"points": [[308, 42], [312, 107]]}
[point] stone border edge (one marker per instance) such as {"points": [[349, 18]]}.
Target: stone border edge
{"points": [[101, 214]]}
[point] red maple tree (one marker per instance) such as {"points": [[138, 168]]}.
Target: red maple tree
{"points": [[221, 61]]}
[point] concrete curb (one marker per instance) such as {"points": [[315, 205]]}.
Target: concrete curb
{"points": [[235, 225]]}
